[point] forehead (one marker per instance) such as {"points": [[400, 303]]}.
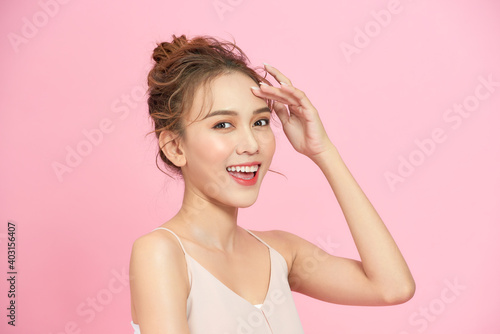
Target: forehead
{"points": [[230, 91]]}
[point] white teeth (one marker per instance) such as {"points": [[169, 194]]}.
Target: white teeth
{"points": [[246, 169]]}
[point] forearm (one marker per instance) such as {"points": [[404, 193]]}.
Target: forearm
{"points": [[381, 259]]}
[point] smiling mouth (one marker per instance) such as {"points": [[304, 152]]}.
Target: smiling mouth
{"points": [[243, 172]]}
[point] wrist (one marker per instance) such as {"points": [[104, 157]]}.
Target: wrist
{"points": [[326, 155]]}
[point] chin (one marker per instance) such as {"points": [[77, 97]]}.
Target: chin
{"points": [[241, 201], [246, 205]]}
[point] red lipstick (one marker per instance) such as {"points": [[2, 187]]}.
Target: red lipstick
{"points": [[241, 176]]}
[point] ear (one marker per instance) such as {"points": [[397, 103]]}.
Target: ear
{"points": [[170, 144]]}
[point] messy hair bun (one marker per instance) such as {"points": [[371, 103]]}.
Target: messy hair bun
{"points": [[181, 67], [165, 49]]}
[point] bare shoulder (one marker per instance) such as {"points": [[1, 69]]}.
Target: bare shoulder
{"points": [[159, 283], [157, 253], [278, 236], [284, 242], [162, 244]]}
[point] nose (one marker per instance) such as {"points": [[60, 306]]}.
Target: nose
{"points": [[247, 143]]}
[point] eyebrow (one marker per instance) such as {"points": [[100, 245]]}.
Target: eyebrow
{"points": [[235, 113]]}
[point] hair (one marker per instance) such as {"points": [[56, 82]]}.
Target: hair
{"points": [[181, 67]]}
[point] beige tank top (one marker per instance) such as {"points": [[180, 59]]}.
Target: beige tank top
{"points": [[213, 308]]}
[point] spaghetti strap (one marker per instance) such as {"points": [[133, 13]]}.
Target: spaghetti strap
{"points": [[258, 238], [213, 307], [178, 239]]}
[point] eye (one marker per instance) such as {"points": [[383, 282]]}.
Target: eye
{"points": [[262, 122], [222, 125]]}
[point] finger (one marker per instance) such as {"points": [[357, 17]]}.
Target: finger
{"points": [[278, 105], [298, 96], [288, 95], [273, 97], [257, 91], [303, 109], [282, 112], [280, 77], [296, 100], [279, 94]]}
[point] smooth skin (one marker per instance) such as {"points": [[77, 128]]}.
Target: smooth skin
{"points": [[207, 220]]}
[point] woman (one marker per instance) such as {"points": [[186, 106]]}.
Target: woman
{"points": [[202, 273]]}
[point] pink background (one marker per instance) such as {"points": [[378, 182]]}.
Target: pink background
{"points": [[70, 67]]}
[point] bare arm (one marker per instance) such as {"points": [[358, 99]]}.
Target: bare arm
{"points": [[159, 285], [382, 277]]}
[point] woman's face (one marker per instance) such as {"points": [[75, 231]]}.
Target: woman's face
{"points": [[229, 146]]}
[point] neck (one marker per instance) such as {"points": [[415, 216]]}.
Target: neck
{"points": [[212, 225]]}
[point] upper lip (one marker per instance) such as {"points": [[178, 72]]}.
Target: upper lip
{"points": [[245, 164]]}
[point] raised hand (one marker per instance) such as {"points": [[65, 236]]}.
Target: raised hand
{"points": [[300, 120]]}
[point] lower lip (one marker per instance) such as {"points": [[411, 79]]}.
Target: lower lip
{"points": [[249, 182]]}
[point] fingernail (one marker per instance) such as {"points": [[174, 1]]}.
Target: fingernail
{"points": [[267, 64], [255, 88], [284, 83], [263, 83]]}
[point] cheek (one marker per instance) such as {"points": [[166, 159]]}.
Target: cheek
{"points": [[209, 150], [267, 142]]}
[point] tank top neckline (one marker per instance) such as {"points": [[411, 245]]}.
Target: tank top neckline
{"points": [[272, 264]]}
